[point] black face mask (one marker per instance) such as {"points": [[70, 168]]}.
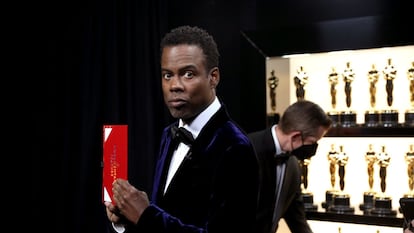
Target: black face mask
{"points": [[305, 151]]}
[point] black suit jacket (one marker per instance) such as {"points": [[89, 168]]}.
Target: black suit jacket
{"points": [[291, 206], [214, 189]]}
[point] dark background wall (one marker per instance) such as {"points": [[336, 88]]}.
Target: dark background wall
{"points": [[97, 62]]}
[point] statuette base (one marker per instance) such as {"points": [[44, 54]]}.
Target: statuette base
{"points": [[372, 119], [308, 202], [348, 119], [341, 204], [383, 207], [389, 118], [409, 118]]}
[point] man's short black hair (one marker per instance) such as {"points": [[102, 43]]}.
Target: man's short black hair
{"points": [[193, 36]]}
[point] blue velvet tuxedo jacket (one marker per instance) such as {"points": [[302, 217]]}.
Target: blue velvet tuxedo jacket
{"points": [[291, 206], [215, 188]]}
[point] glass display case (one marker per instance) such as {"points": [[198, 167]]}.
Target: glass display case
{"points": [[350, 98]]}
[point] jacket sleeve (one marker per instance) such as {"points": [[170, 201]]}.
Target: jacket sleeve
{"points": [[232, 203], [295, 216]]}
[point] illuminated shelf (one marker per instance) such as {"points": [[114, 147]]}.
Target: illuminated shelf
{"points": [[362, 131], [356, 218]]}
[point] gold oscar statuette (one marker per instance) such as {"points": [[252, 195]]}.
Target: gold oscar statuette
{"points": [[371, 160], [341, 200], [306, 195], [272, 116], [409, 114], [304, 175], [273, 82], [332, 157], [382, 202], [342, 161], [348, 117], [409, 159], [300, 80], [373, 76], [333, 81], [348, 77], [410, 76], [389, 117], [372, 116], [383, 160], [390, 73]]}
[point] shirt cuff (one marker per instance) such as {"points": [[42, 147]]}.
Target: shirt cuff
{"points": [[118, 227]]}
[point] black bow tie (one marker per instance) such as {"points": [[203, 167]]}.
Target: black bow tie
{"points": [[281, 158], [180, 134]]}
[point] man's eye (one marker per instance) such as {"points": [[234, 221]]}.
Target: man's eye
{"points": [[188, 74], [167, 76]]}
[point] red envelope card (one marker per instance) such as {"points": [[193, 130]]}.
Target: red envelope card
{"points": [[115, 157]]}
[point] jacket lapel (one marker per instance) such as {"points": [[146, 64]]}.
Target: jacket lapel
{"points": [[166, 150], [199, 148]]}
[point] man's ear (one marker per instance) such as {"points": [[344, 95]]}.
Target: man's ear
{"points": [[296, 135], [215, 77]]}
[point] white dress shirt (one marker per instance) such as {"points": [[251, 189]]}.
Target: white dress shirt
{"points": [[194, 127], [280, 169]]}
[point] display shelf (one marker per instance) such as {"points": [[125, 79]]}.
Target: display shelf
{"points": [[363, 131], [265, 56], [356, 218]]}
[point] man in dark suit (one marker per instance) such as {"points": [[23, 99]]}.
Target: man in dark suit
{"points": [[206, 185], [302, 124]]}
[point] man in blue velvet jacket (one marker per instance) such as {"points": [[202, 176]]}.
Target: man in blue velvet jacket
{"points": [[208, 185]]}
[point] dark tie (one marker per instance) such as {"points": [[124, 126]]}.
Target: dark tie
{"points": [[281, 158], [180, 134]]}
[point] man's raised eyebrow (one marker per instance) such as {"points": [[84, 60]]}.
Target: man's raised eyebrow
{"points": [[187, 67]]}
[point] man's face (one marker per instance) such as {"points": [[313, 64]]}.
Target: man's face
{"points": [[297, 140], [309, 144], [187, 87]]}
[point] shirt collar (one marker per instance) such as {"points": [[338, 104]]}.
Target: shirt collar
{"points": [[276, 141], [201, 120]]}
